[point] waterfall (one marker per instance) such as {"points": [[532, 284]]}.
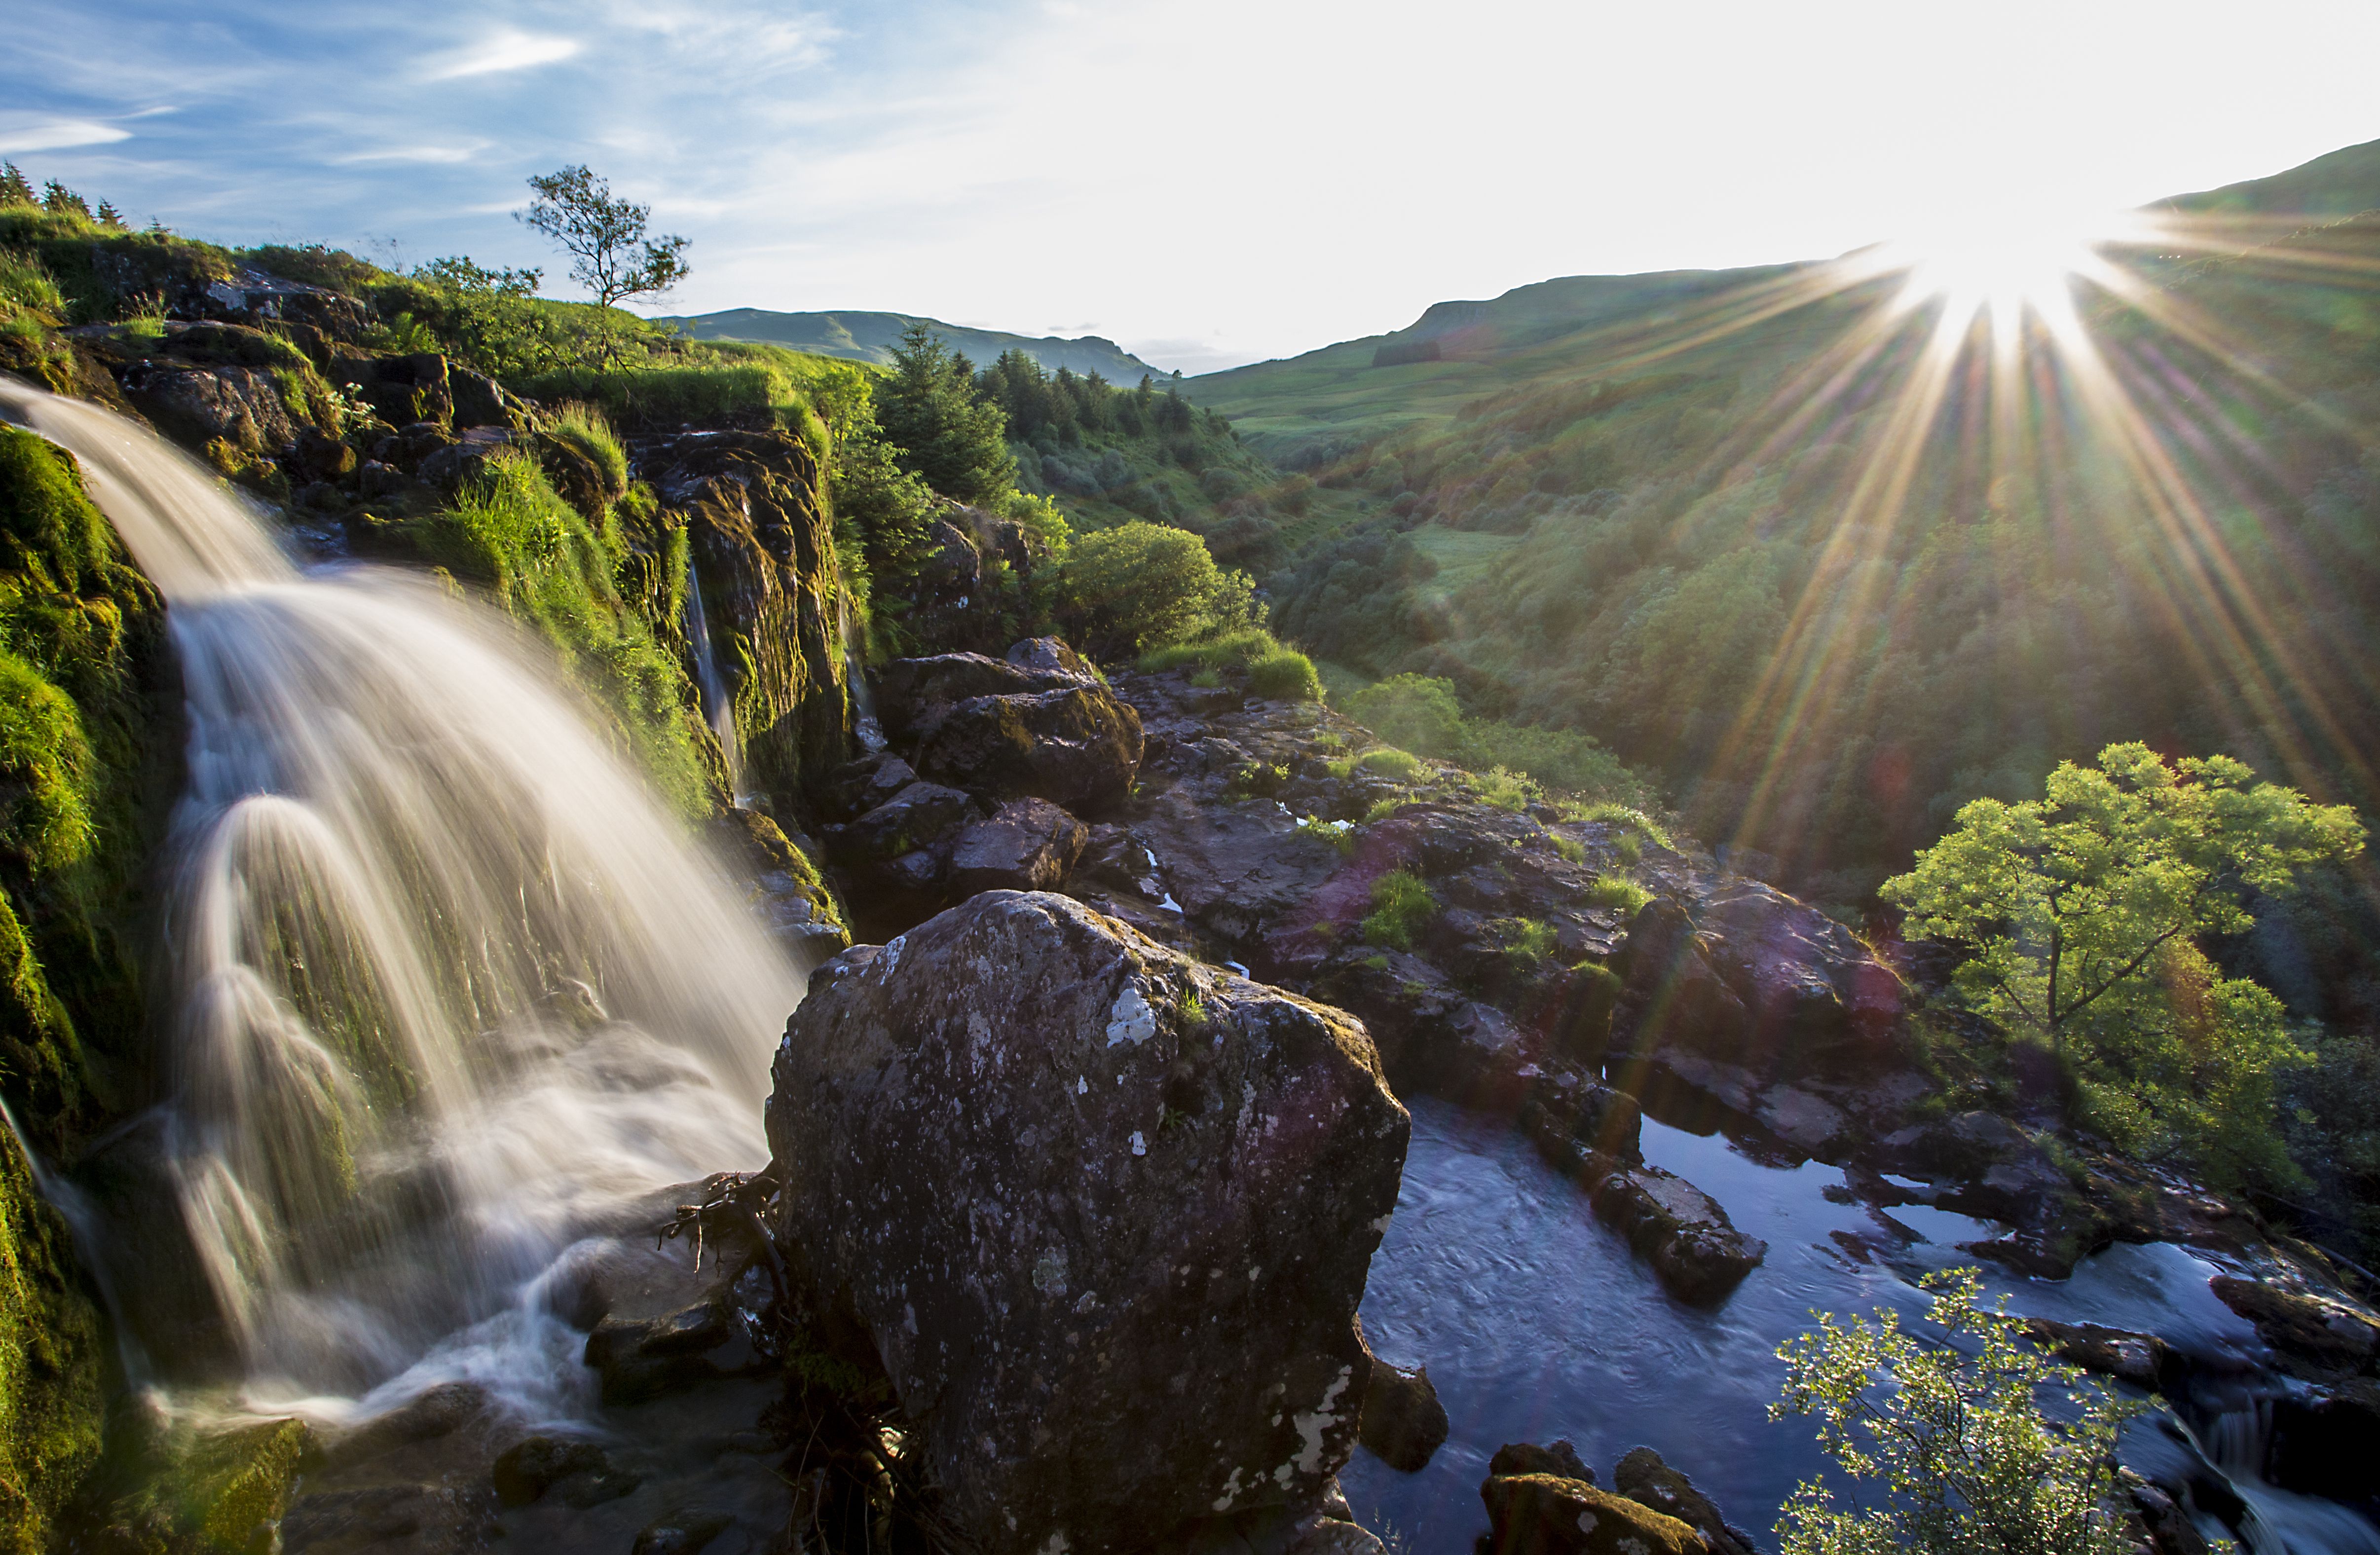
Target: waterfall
{"points": [[2237, 1441], [855, 675], [718, 706], [447, 988]]}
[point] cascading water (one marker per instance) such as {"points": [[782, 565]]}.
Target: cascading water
{"points": [[864, 722], [718, 706], [449, 990]]}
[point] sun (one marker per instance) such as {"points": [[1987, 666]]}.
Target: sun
{"points": [[2008, 263]]}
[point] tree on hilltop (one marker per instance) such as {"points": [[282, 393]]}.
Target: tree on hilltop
{"points": [[610, 254]]}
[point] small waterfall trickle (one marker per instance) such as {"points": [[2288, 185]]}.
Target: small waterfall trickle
{"points": [[718, 706], [448, 989], [855, 675], [2238, 1442]]}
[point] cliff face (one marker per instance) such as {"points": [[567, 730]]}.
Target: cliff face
{"points": [[88, 744]]}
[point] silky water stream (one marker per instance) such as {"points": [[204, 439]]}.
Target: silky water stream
{"points": [[447, 988], [1538, 1323]]}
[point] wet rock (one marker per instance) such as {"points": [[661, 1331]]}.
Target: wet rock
{"points": [[2163, 1521], [1577, 1123], [1060, 1177], [480, 401], [463, 461], [919, 816], [1681, 1231], [313, 455], [2142, 1359], [527, 1469], [2326, 1439], [761, 543], [417, 1518], [1028, 844], [442, 1411], [639, 1360], [1046, 656], [240, 407], [793, 899], [1403, 1424], [400, 389], [1540, 1514], [2324, 1329], [686, 1534], [1559, 1460], [1643, 1478], [1077, 747]]}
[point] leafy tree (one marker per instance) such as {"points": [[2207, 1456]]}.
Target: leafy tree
{"points": [[2082, 916], [604, 238], [941, 425], [1970, 1460]]}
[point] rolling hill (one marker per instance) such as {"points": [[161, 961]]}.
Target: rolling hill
{"points": [[870, 337]]}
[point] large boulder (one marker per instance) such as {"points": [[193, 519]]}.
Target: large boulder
{"points": [[1543, 1515], [1103, 1213], [1403, 1423], [1645, 1478], [1681, 1231], [1028, 844], [1010, 731]]}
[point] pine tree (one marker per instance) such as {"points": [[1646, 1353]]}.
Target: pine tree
{"points": [[109, 215], [15, 187], [60, 200]]}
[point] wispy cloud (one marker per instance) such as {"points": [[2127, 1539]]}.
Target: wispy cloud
{"points": [[425, 153], [507, 50], [36, 132]]}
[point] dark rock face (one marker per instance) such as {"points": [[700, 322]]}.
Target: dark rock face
{"points": [[1680, 1230], [1008, 730], [1540, 1514], [1403, 1424], [2325, 1331], [762, 548], [239, 406], [1028, 844], [1064, 1179], [1643, 1478], [2142, 1359], [399, 389], [1560, 1460]]}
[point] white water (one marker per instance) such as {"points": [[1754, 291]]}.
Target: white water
{"points": [[448, 988], [718, 707]]}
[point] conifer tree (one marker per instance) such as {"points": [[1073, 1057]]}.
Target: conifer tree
{"points": [[15, 187]]}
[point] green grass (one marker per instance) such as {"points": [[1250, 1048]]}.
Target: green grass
{"points": [[1620, 892], [1613, 814], [1286, 675], [1401, 904], [1462, 557], [1532, 941], [1389, 762], [584, 428], [1570, 848]]}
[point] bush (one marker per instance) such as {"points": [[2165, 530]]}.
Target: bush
{"points": [[1968, 1457], [1230, 650], [1401, 906], [1389, 762], [1619, 892], [1506, 790], [1286, 675], [1416, 711], [1143, 585]]}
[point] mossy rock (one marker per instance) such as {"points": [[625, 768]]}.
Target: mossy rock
{"points": [[179, 1487], [51, 1408]]}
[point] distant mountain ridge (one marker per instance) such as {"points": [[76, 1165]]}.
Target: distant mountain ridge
{"points": [[870, 337], [2339, 183]]}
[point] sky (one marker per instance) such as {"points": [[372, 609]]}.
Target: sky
{"points": [[1207, 182]]}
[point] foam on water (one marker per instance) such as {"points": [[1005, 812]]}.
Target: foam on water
{"points": [[449, 988]]}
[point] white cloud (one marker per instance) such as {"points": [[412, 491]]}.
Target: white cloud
{"points": [[435, 154], [507, 50], [26, 132]]}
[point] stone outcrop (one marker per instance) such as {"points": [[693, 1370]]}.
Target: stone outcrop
{"points": [[1643, 1477], [1681, 1231], [762, 552], [1403, 1424], [1027, 845], [1005, 731], [1102, 1213], [1540, 1514]]}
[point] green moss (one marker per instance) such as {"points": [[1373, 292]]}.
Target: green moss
{"points": [[1401, 905], [1618, 892], [51, 1407]]}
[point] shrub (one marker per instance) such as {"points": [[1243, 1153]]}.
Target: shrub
{"points": [[1619, 892], [1957, 1434], [1389, 762], [1416, 711], [1401, 905], [1138, 587], [1236, 649], [1506, 790], [1383, 808], [665, 398], [1286, 675]]}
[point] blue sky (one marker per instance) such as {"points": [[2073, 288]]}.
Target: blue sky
{"points": [[1206, 182]]}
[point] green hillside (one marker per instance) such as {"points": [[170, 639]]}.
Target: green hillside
{"points": [[2339, 184], [1755, 537], [870, 337]]}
